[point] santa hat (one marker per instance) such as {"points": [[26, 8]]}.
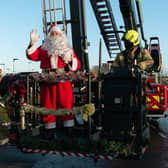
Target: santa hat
{"points": [[54, 28]]}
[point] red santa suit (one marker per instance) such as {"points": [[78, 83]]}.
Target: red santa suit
{"points": [[57, 95]]}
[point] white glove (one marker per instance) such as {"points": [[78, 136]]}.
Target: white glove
{"points": [[67, 57], [34, 37]]}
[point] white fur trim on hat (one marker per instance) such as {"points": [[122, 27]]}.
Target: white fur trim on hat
{"points": [[50, 125], [55, 28], [68, 123]]}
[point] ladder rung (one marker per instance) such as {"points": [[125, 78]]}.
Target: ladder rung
{"points": [[114, 48], [104, 17], [115, 53], [106, 22], [48, 10], [109, 36], [100, 6], [113, 44], [111, 40], [108, 27], [102, 12], [108, 32], [58, 22], [99, 1]]}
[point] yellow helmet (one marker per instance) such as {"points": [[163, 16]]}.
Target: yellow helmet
{"points": [[132, 36]]}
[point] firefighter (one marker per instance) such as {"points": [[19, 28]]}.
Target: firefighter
{"points": [[133, 54], [55, 55]]}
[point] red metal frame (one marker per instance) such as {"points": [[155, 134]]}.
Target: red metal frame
{"points": [[155, 45]]}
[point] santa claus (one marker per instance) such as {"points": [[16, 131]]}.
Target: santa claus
{"points": [[54, 54]]}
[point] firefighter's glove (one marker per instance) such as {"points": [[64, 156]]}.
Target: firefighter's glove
{"points": [[87, 110], [142, 65], [34, 37]]}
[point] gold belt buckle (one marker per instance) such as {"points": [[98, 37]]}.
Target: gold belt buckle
{"points": [[57, 70]]}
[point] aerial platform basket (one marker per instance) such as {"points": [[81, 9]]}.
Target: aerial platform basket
{"points": [[28, 127]]}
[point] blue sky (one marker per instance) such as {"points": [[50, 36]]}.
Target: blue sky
{"points": [[19, 17]]}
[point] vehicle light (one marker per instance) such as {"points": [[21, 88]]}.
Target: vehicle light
{"points": [[161, 97]]}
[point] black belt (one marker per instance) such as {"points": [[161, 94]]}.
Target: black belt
{"points": [[57, 70]]}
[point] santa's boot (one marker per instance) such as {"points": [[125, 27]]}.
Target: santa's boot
{"points": [[69, 127], [50, 131]]}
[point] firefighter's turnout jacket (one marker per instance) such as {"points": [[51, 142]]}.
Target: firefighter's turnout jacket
{"points": [[141, 55]]}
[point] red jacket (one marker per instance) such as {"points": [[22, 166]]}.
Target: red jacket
{"points": [[41, 55]]}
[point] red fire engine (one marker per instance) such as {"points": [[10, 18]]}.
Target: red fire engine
{"points": [[156, 98]]}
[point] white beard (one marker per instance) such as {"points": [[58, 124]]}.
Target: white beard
{"points": [[56, 45]]}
